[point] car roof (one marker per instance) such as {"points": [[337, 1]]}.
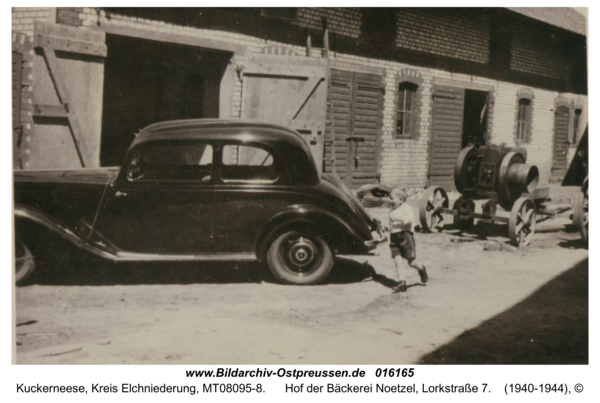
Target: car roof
{"points": [[287, 142], [224, 129]]}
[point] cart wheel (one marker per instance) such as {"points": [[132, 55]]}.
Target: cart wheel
{"points": [[521, 225], [434, 201], [580, 214], [463, 225]]}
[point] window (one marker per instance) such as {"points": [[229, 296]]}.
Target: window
{"points": [[165, 161], [524, 116], [576, 123], [247, 164], [523, 119], [405, 112]]}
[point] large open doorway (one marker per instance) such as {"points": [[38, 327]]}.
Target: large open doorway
{"points": [[148, 81], [460, 119], [475, 118]]}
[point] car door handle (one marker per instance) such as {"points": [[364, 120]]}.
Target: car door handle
{"points": [[120, 194]]}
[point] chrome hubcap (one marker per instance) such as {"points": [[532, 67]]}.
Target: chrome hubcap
{"points": [[302, 252], [300, 255]]}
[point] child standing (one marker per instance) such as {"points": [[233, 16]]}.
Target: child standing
{"points": [[402, 240]]}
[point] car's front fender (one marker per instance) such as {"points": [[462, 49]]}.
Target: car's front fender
{"points": [[337, 232], [24, 214]]}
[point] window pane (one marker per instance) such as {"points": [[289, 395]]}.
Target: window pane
{"points": [[401, 99], [521, 112], [166, 161], [407, 123], [523, 119], [246, 163], [409, 100], [406, 98], [400, 123], [521, 131]]}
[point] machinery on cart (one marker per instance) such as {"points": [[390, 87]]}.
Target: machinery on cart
{"points": [[499, 174]]}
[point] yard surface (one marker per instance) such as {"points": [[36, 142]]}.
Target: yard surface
{"points": [[508, 306]]}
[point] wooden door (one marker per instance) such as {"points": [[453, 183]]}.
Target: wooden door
{"points": [[561, 140], [68, 75], [288, 90], [446, 134], [357, 102]]}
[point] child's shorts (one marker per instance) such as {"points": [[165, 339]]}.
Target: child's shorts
{"points": [[403, 244]]}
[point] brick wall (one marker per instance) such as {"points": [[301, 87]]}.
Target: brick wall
{"points": [[343, 21], [24, 17], [457, 33], [535, 51]]}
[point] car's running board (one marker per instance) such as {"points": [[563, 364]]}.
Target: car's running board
{"points": [[147, 257]]}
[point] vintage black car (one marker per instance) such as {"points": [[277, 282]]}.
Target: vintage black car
{"points": [[198, 190]]}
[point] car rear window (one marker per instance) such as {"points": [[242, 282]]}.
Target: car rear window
{"points": [[247, 164]]}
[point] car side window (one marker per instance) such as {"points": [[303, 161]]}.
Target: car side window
{"points": [[247, 164], [165, 161]]}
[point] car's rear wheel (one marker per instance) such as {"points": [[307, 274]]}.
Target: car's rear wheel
{"points": [[299, 257], [24, 263]]}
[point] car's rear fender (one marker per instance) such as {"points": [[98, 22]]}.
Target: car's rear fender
{"points": [[338, 234]]}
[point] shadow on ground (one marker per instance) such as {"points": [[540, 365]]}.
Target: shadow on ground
{"points": [[573, 244], [478, 230], [72, 267], [549, 327]]}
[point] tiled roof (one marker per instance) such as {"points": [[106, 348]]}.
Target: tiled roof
{"points": [[562, 17]]}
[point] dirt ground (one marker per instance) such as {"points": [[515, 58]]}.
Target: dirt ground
{"points": [[527, 305]]}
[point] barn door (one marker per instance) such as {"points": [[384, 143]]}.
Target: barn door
{"points": [[561, 139], [447, 128], [357, 100], [288, 90], [68, 76]]}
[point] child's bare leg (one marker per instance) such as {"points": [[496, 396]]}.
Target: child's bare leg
{"points": [[401, 287], [420, 268], [400, 268]]}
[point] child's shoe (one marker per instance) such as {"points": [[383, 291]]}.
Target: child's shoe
{"points": [[401, 287], [423, 275]]}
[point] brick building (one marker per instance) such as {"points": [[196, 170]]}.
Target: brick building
{"points": [[389, 95]]}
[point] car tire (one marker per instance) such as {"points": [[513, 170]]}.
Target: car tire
{"points": [[333, 178], [299, 257], [24, 263]]}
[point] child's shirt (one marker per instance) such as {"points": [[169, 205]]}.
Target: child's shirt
{"points": [[401, 219]]}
